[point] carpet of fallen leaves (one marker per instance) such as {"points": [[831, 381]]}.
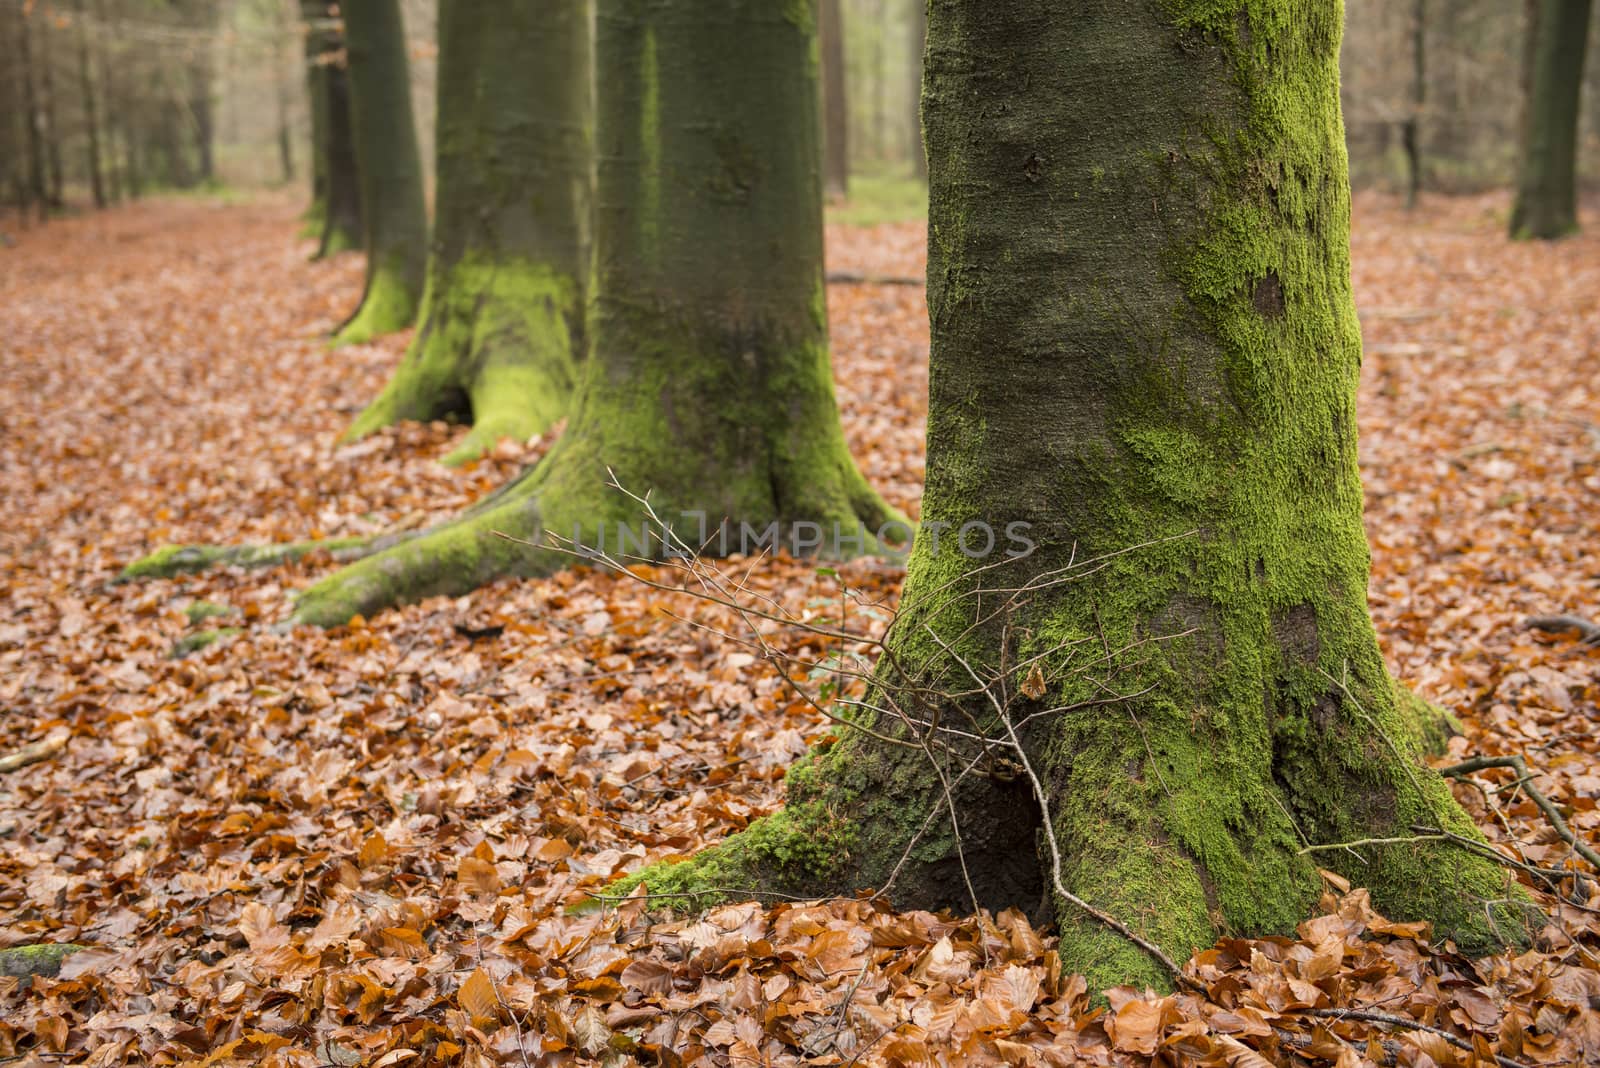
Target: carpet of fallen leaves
{"points": [[307, 848]]}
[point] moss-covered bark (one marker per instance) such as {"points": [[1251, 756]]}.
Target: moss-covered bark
{"points": [[501, 329], [708, 385], [394, 217], [1547, 202], [1144, 348]]}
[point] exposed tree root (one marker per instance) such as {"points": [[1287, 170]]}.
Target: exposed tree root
{"points": [[34, 753], [1588, 633], [43, 959]]}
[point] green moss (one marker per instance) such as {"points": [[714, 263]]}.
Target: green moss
{"points": [[497, 335], [1431, 725], [800, 845], [200, 611], [389, 304], [339, 239], [193, 643], [43, 959], [173, 560]]}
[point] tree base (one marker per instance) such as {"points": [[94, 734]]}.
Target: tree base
{"points": [[495, 344], [1151, 826], [389, 304]]}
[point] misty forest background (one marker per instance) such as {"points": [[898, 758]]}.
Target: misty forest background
{"points": [[191, 94]]}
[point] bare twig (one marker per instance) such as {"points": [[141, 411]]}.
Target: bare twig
{"points": [[1520, 766], [1401, 1022]]}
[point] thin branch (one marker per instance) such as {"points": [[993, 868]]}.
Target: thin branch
{"points": [[1520, 766]]}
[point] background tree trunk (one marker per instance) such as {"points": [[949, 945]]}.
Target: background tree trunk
{"points": [[91, 117], [1145, 352], [917, 42], [38, 194], [55, 189], [1419, 90], [343, 224], [708, 385], [835, 106], [501, 334], [1547, 200], [394, 216]]}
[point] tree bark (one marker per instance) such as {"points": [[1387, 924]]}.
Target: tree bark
{"points": [[501, 334], [835, 104], [394, 217], [1547, 200], [708, 385], [1145, 352]]}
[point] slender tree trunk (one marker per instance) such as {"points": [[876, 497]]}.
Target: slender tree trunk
{"points": [[394, 217], [835, 104], [111, 106], [917, 42], [1419, 89], [500, 336], [13, 141], [201, 109], [708, 385], [1144, 361], [280, 87], [335, 213], [313, 14], [91, 116], [1547, 200], [343, 224], [56, 188], [38, 194]]}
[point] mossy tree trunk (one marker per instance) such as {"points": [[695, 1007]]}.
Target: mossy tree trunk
{"points": [[394, 217], [501, 331], [708, 384], [1144, 349], [1547, 201]]}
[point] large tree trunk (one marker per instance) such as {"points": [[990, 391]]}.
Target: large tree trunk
{"points": [[395, 225], [501, 332], [1145, 352], [708, 385], [1547, 200], [835, 105]]}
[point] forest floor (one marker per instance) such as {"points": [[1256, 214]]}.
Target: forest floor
{"points": [[355, 847]]}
